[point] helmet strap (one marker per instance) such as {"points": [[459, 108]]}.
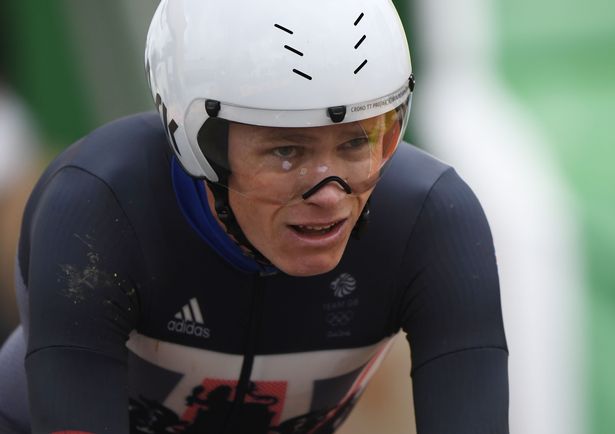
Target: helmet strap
{"points": [[361, 225], [227, 217]]}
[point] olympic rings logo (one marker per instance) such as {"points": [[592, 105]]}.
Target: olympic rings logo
{"points": [[340, 318]]}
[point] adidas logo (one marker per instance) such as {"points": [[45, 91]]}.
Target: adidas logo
{"points": [[189, 321]]}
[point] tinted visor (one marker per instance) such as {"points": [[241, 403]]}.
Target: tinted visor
{"points": [[279, 165]]}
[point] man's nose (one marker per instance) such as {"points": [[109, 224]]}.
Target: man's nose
{"points": [[327, 192]]}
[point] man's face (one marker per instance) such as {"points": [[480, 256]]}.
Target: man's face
{"points": [[272, 167]]}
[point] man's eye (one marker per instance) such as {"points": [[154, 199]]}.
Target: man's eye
{"points": [[357, 143], [285, 151]]}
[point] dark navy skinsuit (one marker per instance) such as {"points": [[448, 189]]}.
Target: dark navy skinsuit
{"points": [[140, 315]]}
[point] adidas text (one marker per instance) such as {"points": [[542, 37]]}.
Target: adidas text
{"points": [[189, 328]]}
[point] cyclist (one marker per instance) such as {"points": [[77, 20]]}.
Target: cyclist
{"points": [[242, 266]]}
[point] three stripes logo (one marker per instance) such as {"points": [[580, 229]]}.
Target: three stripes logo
{"points": [[189, 321]]}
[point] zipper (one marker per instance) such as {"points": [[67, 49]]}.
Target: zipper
{"points": [[254, 326]]}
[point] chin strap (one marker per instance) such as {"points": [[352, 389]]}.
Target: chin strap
{"points": [[227, 217], [361, 225]]}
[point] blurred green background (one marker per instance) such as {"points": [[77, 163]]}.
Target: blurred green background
{"points": [[78, 64], [560, 59]]}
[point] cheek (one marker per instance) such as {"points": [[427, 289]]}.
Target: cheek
{"points": [[243, 209], [255, 219]]}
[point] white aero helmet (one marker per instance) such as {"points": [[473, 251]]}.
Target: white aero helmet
{"points": [[283, 64]]}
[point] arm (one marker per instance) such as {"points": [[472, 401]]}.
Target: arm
{"points": [[452, 315], [83, 295]]}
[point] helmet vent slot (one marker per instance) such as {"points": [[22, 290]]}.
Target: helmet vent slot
{"points": [[302, 74], [360, 66], [293, 50], [283, 28], [360, 42], [359, 18], [297, 52]]}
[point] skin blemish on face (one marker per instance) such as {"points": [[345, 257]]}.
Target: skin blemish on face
{"points": [[303, 171], [322, 169], [287, 165]]}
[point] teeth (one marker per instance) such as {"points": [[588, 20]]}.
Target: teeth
{"points": [[316, 228]]}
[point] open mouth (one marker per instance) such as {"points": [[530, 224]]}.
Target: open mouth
{"points": [[316, 230]]}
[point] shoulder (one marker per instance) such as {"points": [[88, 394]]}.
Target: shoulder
{"points": [[418, 198], [129, 156], [413, 170], [416, 179], [125, 146], [123, 166], [406, 185]]}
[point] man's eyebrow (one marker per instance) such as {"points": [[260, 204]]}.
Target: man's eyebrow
{"points": [[289, 135], [306, 136]]}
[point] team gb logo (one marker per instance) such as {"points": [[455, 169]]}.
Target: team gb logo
{"points": [[342, 286]]}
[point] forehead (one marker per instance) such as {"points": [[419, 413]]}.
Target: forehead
{"points": [[258, 134]]}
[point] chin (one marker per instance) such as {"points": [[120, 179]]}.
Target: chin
{"points": [[306, 267]]}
